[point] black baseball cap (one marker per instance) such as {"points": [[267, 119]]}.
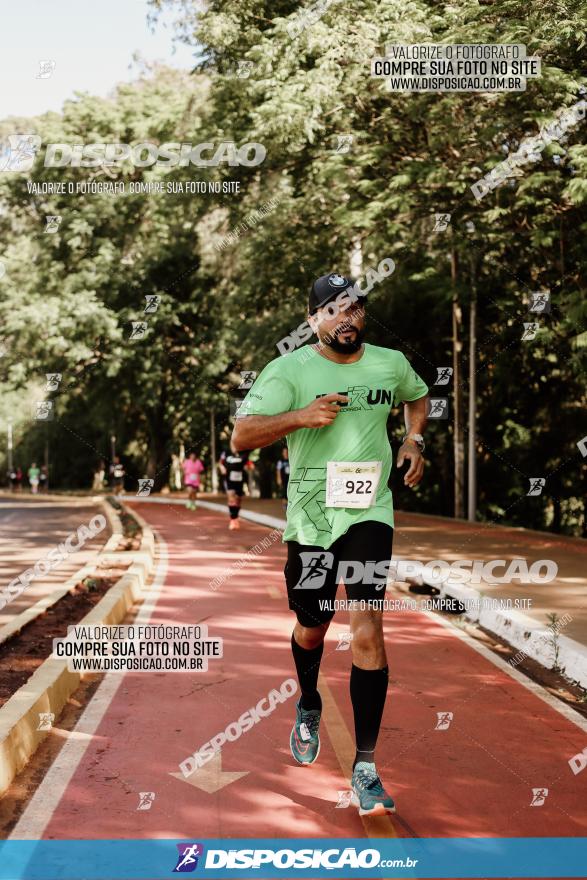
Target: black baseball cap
{"points": [[327, 288]]}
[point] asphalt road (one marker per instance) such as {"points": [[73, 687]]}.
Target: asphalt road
{"points": [[30, 526]]}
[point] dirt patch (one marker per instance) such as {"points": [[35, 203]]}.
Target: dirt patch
{"points": [[21, 655], [133, 533], [131, 530], [128, 544]]}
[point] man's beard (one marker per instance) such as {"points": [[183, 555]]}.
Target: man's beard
{"points": [[350, 346]]}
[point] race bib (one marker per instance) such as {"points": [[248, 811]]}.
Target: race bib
{"points": [[352, 483], [235, 476]]}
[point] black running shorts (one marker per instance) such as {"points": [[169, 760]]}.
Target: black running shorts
{"points": [[312, 574], [237, 488]]}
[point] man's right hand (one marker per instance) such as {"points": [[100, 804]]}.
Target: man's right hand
{"points": [[322, 411]]}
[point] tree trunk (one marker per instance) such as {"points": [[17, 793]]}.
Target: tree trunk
{"points": [[458, 444], [159, 458], [472, 444]]}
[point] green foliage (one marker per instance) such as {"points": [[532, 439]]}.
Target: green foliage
{"points": [[69, 298]]}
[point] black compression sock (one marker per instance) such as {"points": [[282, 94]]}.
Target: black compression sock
{"points": [[308, 666], [368, 693], [234, 509]]}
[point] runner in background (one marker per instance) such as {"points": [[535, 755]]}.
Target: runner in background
{"points": [[99, 474], [175, 474], [192, 468], [43, 479], [33, 475], [117, 475], [18, 479], [283, 474], [252, 477], [232, 467]]}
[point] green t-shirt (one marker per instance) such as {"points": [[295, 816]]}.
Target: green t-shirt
{"points": [[380, 379]]}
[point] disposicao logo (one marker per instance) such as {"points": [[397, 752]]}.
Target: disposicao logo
{"points": [[187, 860]]}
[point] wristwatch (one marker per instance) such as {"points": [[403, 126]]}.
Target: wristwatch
{"points": [[418, 440]]}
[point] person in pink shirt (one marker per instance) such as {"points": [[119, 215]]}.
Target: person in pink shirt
{"points": [[192, 468]]}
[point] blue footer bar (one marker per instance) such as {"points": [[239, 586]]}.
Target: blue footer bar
{"points": [[531, 857]]}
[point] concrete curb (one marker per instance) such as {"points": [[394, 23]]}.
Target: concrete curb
{"points": [[115, 525], [51, 685], [520, 631], [536, 640]]}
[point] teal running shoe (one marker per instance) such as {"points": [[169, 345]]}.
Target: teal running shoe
{"points": [[304, 741], [368, 792]]}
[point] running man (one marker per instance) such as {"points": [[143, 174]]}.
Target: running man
{"points": [[283, 474], [12, 479], [332, 401], [192, 468], [232, 467]]}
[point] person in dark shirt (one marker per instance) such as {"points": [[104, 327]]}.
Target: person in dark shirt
{"points": [[117, 475], [43, 479], [232, 467]]}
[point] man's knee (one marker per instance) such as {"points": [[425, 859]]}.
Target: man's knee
{"points": [[310, 636], [367, 638]]}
